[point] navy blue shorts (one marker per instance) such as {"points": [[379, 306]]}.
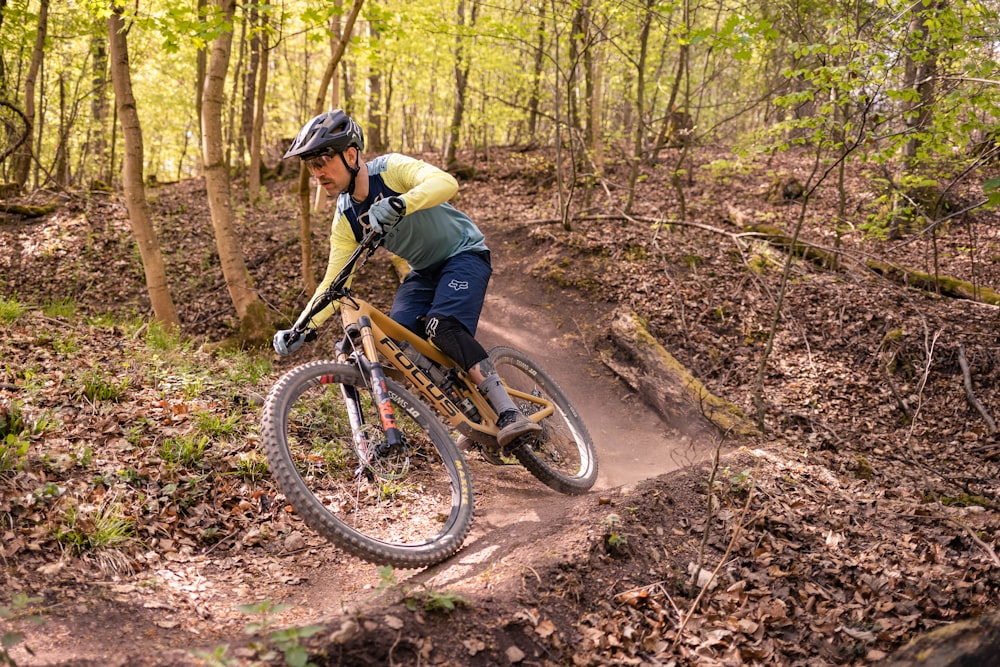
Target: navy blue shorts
{"points": [[456, 288]]}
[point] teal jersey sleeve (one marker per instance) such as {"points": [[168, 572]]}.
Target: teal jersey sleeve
{"points": [[432, 229]]}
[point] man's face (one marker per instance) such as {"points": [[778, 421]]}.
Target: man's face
{"points": [[331, 172]]}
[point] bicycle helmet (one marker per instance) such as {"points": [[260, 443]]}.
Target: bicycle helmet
{"points": [[330, 132]]}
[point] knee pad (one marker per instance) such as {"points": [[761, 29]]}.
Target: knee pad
{"points": [[454, 340]]}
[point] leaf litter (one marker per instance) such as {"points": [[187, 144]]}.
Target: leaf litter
{"points": [[865, 517]]}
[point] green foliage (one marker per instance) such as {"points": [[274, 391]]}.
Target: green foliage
{"points": [[991, 187], [288, 640], [104, 527], [420, 595], [216, 426], [215, 658], [723, 170], [899, 207], [159, 337], [246, 369], [185, 450], [251, 466], [13, 451], [615, 541], [95, 386], [13, 421], [64, 308], [11, 309], [16, 432]]}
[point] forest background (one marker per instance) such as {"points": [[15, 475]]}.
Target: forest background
{"points": [[216, 89], [618, 114]]}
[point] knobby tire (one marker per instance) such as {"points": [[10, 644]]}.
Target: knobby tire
{"points": [[410, 508], [562, 456]]}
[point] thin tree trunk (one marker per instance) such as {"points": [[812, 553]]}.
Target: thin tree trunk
{"points": [[305, 223], [248, 112], [534, 97], [201, 65], [135, 190], [22, 164], [560, 198], [3, 70], [595, 98], [640, 110], [376, 117], [918, 77], [462, 61], [673, 119], [234, 269], [258, 120], [60, 170], [99, 106], [320, 197]]}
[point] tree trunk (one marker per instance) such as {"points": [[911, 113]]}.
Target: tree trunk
{"points": [[918, 73], [674, 119], [60, 170], [249, 108], [135, 192], [595, 95], [253, 188], [376, 140], [305, 223], [640, 109], [99, 109], [201, 64], [241, 290], [534, 96], [22, 163], [3, 70], [462, 58]]}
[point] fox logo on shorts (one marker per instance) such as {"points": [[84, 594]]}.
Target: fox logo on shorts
{"points": [[458, 285]]}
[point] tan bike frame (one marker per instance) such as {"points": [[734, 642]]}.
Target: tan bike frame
{"points": [[380, 338]]}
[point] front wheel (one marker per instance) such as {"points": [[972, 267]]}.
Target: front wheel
{"points": [[562, 455], [406, 506]]}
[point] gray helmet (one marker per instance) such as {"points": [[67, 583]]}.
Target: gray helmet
{"points": [[330, 132]]}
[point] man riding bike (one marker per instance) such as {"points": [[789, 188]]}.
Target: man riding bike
{"points": [[406, 201]]}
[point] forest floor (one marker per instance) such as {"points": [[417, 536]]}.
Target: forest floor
{"points": [[864, 515]]}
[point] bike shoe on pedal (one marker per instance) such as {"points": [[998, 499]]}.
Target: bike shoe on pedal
{"points": [[513, 425]]}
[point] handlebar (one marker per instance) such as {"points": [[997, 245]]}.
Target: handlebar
{"points": [[338, 288]]}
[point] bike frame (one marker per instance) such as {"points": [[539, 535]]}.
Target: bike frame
{"points": [[387, 335], [381, 335]]}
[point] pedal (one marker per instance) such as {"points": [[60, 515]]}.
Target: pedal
{"points": [[484, 444]]}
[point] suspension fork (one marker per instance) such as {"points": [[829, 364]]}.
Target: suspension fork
{"points": [[393, 438]]}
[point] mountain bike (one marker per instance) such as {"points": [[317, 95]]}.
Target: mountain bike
{"points": [[361, 444]]}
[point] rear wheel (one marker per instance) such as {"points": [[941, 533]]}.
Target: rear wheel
{"points": [[562, 455], [407, 506]]}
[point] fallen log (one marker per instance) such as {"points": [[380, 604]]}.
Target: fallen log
{"points": [[27, 211], [972, 642], [665, 384], [944, 285], [779, 238]]}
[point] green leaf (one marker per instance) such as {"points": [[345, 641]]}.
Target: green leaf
{"points": [[296, 656]]}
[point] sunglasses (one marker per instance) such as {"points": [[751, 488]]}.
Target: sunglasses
{"points": [[318, 162]]}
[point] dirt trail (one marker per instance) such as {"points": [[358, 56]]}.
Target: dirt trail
{"points": [[156, 617], [555, 328]]}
